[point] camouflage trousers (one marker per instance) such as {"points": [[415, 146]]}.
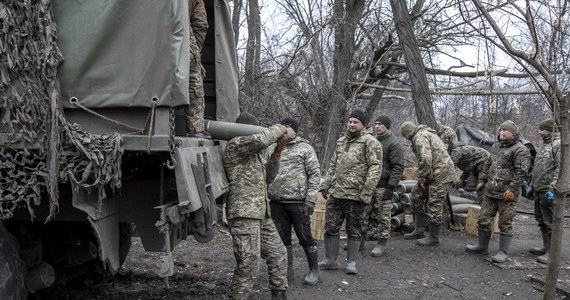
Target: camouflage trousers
{"points": [[490, 207], [379, 217], [195, 111], [354, 212], [254, 239], [543, 211], [430, 201]]}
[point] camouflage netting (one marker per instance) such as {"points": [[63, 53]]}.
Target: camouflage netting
{"points": [[34, 155]]}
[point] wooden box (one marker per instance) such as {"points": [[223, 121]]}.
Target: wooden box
{"points": [[473, 213], [318, 224]]}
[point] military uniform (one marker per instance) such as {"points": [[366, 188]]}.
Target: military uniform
{"points": [[247, 208], [446, 133], [199, 28], [470, 160]]}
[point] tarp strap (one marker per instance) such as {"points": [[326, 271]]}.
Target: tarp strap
{"points": [[74, 101]]}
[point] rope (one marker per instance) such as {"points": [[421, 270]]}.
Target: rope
{"points": [[74, 101]]}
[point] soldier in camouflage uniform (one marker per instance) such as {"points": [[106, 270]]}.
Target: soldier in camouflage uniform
{"points": [[392, 173], [199, 28], [354, 171], [544, 178], [435, 175], [253, 232], [503, 175], [293, 194], [470, 160], [446, 133]]}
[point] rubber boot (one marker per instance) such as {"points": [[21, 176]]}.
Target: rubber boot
{"points": [[483, 246], [312, 254], [545, 240], [290, 271], [379, 249], [361, 245], [543, 259], [278, 294], [331, 253], [421, 221], [352, 252], [504, 245], [433, 238]]}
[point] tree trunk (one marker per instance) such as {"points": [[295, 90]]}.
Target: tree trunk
{"points": [[252, 58], [236, 13]]}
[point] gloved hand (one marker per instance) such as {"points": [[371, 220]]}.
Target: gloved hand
{"points": [[388, 193], [509, 196], [529, 190], [480, 185], [549, 197], [308, 208], [422, 185], [324, 193], [281, 144]]}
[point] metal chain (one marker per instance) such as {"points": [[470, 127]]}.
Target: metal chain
{"points": [[171, 164]]}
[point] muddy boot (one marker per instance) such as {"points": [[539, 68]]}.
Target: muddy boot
{"points": [[290, 271], [543, 259], [483, 246], [541, 250], [379, 249], [421, 220], [278, 294], [433, 237], [361, 245], [331, 253], [353, 245], [313, 259], [504, 245]]}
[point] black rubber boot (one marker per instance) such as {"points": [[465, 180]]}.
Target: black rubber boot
{"points": [[290, 271], [312, 254], [545, 241], [331, 253], [483, 246], [379, 249], [543, 259], [421, 220], [433, 238], [278, 294], [352, 252], [504, 245]]}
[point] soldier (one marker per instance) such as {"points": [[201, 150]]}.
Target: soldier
{"points": [[354, 171], [435, 175], [247, 208], [470, 160], [199, 28], [392, 171], [503, 175], [544, 178], [293, 194], [446, 133]]}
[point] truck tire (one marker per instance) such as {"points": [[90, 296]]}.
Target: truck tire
{"points": [[12, 268]]}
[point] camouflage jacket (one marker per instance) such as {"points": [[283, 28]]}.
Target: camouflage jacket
{"points": [[355, 167], [392, 160], [506, 168], [547, 164], [434, 163], [299, 174], [198, 21], [447, 135], [249, 170], [469, 159]]}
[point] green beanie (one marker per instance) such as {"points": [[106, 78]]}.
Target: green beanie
{"points": [[510, 126], [384, 120], [407, 127], [547, 124], [247, 118], [438, 125]]}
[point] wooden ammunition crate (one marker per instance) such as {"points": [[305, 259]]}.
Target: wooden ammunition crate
{"points": [[473, 213], [318, 224]]}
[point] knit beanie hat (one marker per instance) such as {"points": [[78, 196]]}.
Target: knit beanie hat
{"points": [[359, 115], [247, 118], [438, 125], [407, 127], [384, 120], [510, 126], [291, 123], [547, 124]]}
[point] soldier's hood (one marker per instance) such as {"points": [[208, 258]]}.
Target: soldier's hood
{"points": [[365, 130], [297, 140], [423, 127], [515, 139]]}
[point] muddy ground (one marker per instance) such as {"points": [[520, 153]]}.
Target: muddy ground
{"points": [[406, 271]]}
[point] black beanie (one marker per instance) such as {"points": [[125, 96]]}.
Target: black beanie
{"points": [[359, 115], [291, 123], [385, 120], [247, 118]]}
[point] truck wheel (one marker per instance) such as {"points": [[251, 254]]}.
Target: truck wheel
{"points": [[12, 268]]}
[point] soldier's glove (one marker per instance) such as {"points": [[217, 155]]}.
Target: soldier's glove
{"points": [[388, 193], [422, 185], [281, 144], [308, 208], [324, 193], [509, 196], [529, 190], [549, 197], [480, 185]]}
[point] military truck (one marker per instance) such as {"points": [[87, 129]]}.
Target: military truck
{"points": [[92, 135]]}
